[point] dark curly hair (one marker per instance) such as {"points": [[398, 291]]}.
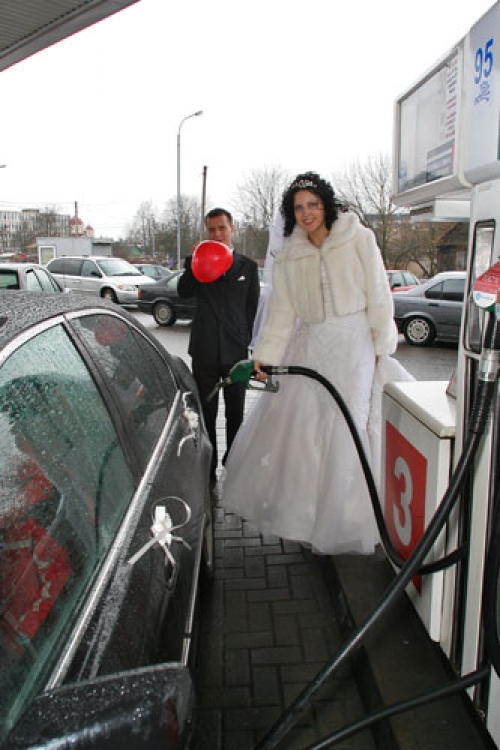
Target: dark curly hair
{"points": [[317, 185]]}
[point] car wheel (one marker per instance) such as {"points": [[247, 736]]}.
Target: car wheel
{"points": [[419, 332], [109, 295], [164, 314]]}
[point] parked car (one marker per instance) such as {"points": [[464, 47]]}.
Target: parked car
{"points": [[432, 310], [153, 270], [162, 301], [400, 281], [114, 279], [102, 451], [31, 276]]}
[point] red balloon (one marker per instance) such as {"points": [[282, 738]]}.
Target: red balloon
{"points": [[210, 260]]}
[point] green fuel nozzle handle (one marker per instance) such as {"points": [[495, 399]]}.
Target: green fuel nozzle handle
{"points": [[241, 372]]}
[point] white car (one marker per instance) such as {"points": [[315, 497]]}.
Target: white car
{"points": [[114, 279]]}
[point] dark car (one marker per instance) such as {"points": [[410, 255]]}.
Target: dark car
{"points": [[104, 527], [432, 310], [153, 270], [163, 302], [401, 281], [31, 276]]}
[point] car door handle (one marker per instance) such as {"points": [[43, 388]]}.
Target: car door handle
{"points": [[162, 531]]}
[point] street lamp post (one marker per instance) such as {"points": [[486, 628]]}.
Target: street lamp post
{"points": [[194, 114]]}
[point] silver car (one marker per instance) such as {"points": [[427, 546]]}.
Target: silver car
{"points": [[114, 279], [30, 276], [432, 310]]}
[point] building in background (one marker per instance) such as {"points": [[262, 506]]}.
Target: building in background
{"points": [[19, 231], [58, 247]]}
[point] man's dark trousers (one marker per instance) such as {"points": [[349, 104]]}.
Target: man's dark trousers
{"points": [[207, 377]]}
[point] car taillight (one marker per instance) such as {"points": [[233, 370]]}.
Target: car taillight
{"points": [[139, 293]]}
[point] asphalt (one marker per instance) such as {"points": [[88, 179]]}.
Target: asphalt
{"points": [[273, 618]]}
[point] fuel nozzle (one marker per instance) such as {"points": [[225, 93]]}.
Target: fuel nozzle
{"points": [[486, 295], [242, 372]]}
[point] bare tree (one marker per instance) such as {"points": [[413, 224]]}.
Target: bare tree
{"points": [[190, 213], [257, 199], [144, 227], [366, 189]]}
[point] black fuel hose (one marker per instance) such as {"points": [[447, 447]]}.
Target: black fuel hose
{"points": [[433, 567], [462, 683], [491, 588], [485, 390]]}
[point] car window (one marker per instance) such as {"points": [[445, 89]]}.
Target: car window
{"points": [[409, 279], [173, 282], [32, 282], [65, 486], [73, 266], [67, 266], [117, 267], [449, 289], [89, 268], [56, 265], [47, 283], [435, 292], [9, 279], [136, 374], [396, 279], [453, 290]]}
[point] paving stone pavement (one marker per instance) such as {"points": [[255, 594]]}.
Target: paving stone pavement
{"points": [[268, 627]]}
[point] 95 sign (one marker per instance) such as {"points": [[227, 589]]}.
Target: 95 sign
{"points": [[483, 62]]}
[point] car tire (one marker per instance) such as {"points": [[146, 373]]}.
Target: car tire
{"points": [[419, 331], [164, 314], [109, 294]]}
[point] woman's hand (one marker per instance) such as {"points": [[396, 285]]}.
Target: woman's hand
{"points": [[259, 375]]}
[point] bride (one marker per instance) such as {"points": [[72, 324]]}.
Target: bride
{"points": [[293, 469]]}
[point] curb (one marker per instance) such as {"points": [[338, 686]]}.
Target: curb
{"points": [[398, 661]]}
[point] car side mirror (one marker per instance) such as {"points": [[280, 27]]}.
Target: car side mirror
{"points": [[144, 708]]}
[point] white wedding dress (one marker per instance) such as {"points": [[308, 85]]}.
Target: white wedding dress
{"points": [[293, 469]]}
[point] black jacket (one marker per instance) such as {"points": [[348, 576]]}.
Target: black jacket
{"points": [[222, 325]]}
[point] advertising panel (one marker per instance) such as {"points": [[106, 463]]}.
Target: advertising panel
{"points": [[428, 127]]}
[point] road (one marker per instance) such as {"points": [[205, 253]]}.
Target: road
{"points": [[436, 362]]}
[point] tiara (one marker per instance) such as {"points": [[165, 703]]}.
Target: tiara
{"points": [[303, 185]]}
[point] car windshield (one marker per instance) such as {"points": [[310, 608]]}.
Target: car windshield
{"points": [[117, 267]]}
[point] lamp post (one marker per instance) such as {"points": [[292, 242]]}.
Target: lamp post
{"points": [[194, 114]]}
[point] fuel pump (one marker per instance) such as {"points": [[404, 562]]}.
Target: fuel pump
{"points": [[486, 295]]}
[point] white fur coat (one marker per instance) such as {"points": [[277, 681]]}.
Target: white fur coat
{"points": [[357, 278]]}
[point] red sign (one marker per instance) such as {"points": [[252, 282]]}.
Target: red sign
{"points": [[405, 481]]}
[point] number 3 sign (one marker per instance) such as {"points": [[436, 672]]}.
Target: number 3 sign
{"points": [[405, 481]]}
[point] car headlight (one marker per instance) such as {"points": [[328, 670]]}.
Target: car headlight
{"points": [[127, 287]]}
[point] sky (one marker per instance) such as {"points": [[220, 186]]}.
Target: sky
{"points": [[94, 119]]}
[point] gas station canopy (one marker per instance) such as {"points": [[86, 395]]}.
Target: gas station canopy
{"points": [[28, 26]]}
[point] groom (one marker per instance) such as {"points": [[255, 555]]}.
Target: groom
{"points": [[221, 330]]}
